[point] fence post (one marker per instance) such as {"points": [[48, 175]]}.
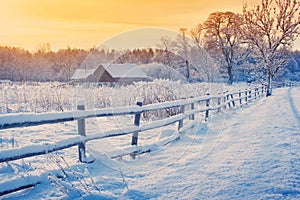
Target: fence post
{"points": [[224, 100], [219, 103], [81, 132], [192, 117], [228, 102], [246, 96], [137, 119], [207, 109], [180, 122], [240, 97], [233, 103], [250, 91]]}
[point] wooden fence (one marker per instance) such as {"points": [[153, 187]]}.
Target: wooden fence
{"points": [[276, 84], [187, 107]]}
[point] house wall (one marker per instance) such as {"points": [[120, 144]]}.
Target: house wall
{"points": [[102, 75]]}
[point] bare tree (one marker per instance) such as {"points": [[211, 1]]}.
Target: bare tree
{"points": [[204, 64], [65, 63], [271, 28], [177, 52], [185, 47], [223, 39], [43, 48], [166, 45], [182, 47]]}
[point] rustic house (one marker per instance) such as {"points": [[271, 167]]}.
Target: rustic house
{"points": [[120, 73]]}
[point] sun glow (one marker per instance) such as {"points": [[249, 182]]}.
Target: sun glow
{"points": [[84, 24]]}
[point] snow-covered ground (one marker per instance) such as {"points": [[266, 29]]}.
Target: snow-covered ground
{"points": [[55, 96], [251, 152]]}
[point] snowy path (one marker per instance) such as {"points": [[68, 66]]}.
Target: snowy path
{"points": [[254, 155]]}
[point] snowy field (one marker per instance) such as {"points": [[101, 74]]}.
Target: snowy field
{"points": [[245, 153], [55, 96]]}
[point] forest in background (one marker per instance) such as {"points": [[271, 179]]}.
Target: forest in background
{"points": [[17, 64]]}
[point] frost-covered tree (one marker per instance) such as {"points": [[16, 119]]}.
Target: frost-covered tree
{"points": [[203, 62], [166, 45], [223, 39], [161, 71], [182, 47], [271, 28]]}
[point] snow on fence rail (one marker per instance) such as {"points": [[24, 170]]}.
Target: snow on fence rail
{"points": [[25, 120], [188, 109], [276, 84]]}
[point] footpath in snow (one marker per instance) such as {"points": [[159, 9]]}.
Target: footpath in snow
{"points": [[251, 152]]}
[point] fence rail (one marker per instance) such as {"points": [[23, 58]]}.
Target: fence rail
{"points": [[277, 84], [187, 110]]}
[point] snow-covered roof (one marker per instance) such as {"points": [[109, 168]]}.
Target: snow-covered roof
{"points": [[82, 73], [127, 70]]}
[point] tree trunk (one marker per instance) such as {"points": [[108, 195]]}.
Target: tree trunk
{"points": [[269, 85], [187, 70], [230, 75]]}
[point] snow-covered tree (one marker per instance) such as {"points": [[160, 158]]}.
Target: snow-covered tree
{"points": [[161, 71], [223, 39], [201, 60], [166, 45], [182, 47], [271, 28]]}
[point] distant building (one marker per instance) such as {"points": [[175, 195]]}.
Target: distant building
{"points": [[117, 73], [5, 81]]}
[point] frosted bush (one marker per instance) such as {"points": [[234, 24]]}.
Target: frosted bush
{"points": [[161, 71], [55, 96]]}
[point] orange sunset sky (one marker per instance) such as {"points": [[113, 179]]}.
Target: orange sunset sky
{"points": [[84, 24]]}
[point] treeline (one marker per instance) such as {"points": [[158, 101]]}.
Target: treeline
{"points": [[292, 70], [17, 64]]}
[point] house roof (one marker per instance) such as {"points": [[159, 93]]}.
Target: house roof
{"points": [[126, 70], [81, 73]]}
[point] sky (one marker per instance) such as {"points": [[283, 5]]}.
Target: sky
{"points": [[90, 23]]}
